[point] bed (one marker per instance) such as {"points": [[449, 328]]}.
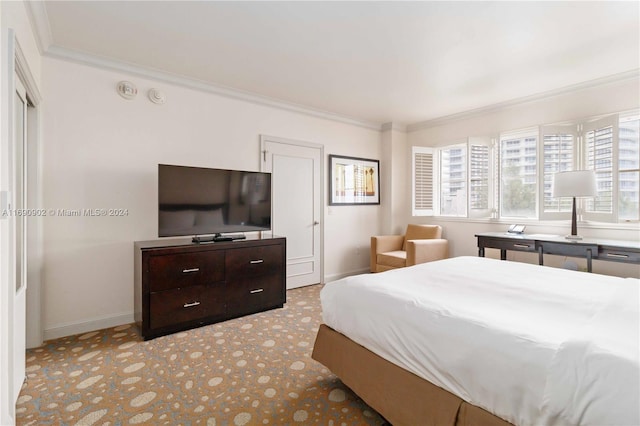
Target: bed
{"points": [[472, 340]]}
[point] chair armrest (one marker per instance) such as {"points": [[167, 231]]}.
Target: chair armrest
{"points": [[421, 251], [383, 244]]}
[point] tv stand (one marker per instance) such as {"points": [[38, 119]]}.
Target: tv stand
{"points": [[180, 284]]}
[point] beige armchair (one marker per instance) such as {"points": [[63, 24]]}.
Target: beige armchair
{"points": [[420, 244]]}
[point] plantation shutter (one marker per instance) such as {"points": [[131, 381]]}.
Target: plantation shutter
{"points": [[422, 181]]}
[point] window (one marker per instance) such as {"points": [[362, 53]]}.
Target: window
{"points": [[518, 174], [480, 167], [629, 167], [453, 180], [558, 147], [600, 140], [512, 176]]}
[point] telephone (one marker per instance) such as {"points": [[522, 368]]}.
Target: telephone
{"points": [[516, 229]]}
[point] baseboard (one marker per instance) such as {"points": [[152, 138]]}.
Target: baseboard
{"points": [[70, 329], [334, 277]]}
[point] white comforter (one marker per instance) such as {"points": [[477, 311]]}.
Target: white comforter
{"points": [[532, 344]]}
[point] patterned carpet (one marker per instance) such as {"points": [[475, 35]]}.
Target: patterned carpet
{"points": [[255, 370]]}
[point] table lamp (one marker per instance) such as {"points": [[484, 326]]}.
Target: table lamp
{"points": [[576, 183]]}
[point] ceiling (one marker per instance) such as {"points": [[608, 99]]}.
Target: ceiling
{"points": [[378, 62]]}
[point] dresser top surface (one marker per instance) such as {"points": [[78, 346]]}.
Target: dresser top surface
{"points": [[187, 242]]}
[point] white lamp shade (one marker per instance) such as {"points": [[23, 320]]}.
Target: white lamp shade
{"points": [[577, 183]]}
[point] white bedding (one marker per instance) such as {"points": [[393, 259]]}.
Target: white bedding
{"points": [[532, 344]]}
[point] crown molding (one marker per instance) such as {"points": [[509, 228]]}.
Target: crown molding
{"points": [[615, 78], [393, 126], [37, 13], [190, 83]]}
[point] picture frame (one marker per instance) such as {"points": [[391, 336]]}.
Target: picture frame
{"points": [[353, 181]]}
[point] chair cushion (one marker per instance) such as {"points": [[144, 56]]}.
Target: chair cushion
{"points": [[421, 232], [395, 259]]}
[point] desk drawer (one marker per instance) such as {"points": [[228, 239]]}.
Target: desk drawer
{"points": [[182, 270], [619, 255], [567, 248], [507, 244], [186, 304]]}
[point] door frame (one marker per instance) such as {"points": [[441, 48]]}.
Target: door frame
{"points": [[304, 144], [34, 200], [14, 65]]}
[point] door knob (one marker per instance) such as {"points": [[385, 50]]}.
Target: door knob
{"points": [[315, 222]]}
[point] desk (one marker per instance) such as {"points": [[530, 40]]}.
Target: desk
{"points": [[589, 248]]}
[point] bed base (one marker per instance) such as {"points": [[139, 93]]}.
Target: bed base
{"points": [[399, 396]]}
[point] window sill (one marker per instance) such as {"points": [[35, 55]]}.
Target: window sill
{"points": [[627, 226]]}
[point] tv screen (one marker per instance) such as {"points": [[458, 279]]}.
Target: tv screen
{"points": [[201, 201]]}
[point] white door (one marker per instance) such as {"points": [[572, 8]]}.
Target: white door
{"points": [[20, 237], [296, 178]]}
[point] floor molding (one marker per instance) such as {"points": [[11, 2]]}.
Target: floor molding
{"points": [[69, 329]]}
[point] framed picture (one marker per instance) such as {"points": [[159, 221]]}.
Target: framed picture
{"points": [[353, 181]]}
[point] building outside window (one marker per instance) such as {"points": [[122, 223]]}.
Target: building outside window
{"points": [[518, 174], [453, 181], [629, 168]]}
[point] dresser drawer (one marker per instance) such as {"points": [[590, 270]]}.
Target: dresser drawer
{"points": [[247, 294], [186, 269], [253, 261], [186, 304]]}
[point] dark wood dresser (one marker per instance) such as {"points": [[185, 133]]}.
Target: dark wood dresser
{"points": [[181, 285]]}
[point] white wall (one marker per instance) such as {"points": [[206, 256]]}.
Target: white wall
{"points": [[395, 170], [14, 15], [102, 151], [589, 102], [576, 105]]}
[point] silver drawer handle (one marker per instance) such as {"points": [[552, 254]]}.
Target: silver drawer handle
{"points": [[620, 256], [190, 270], [260, 290], [521, 245], [254, 262], [188, 305]]}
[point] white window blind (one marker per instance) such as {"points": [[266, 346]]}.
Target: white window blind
{"points": [[423, 182]]}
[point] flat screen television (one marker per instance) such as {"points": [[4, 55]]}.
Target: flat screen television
{"points": [[198, 201]]}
